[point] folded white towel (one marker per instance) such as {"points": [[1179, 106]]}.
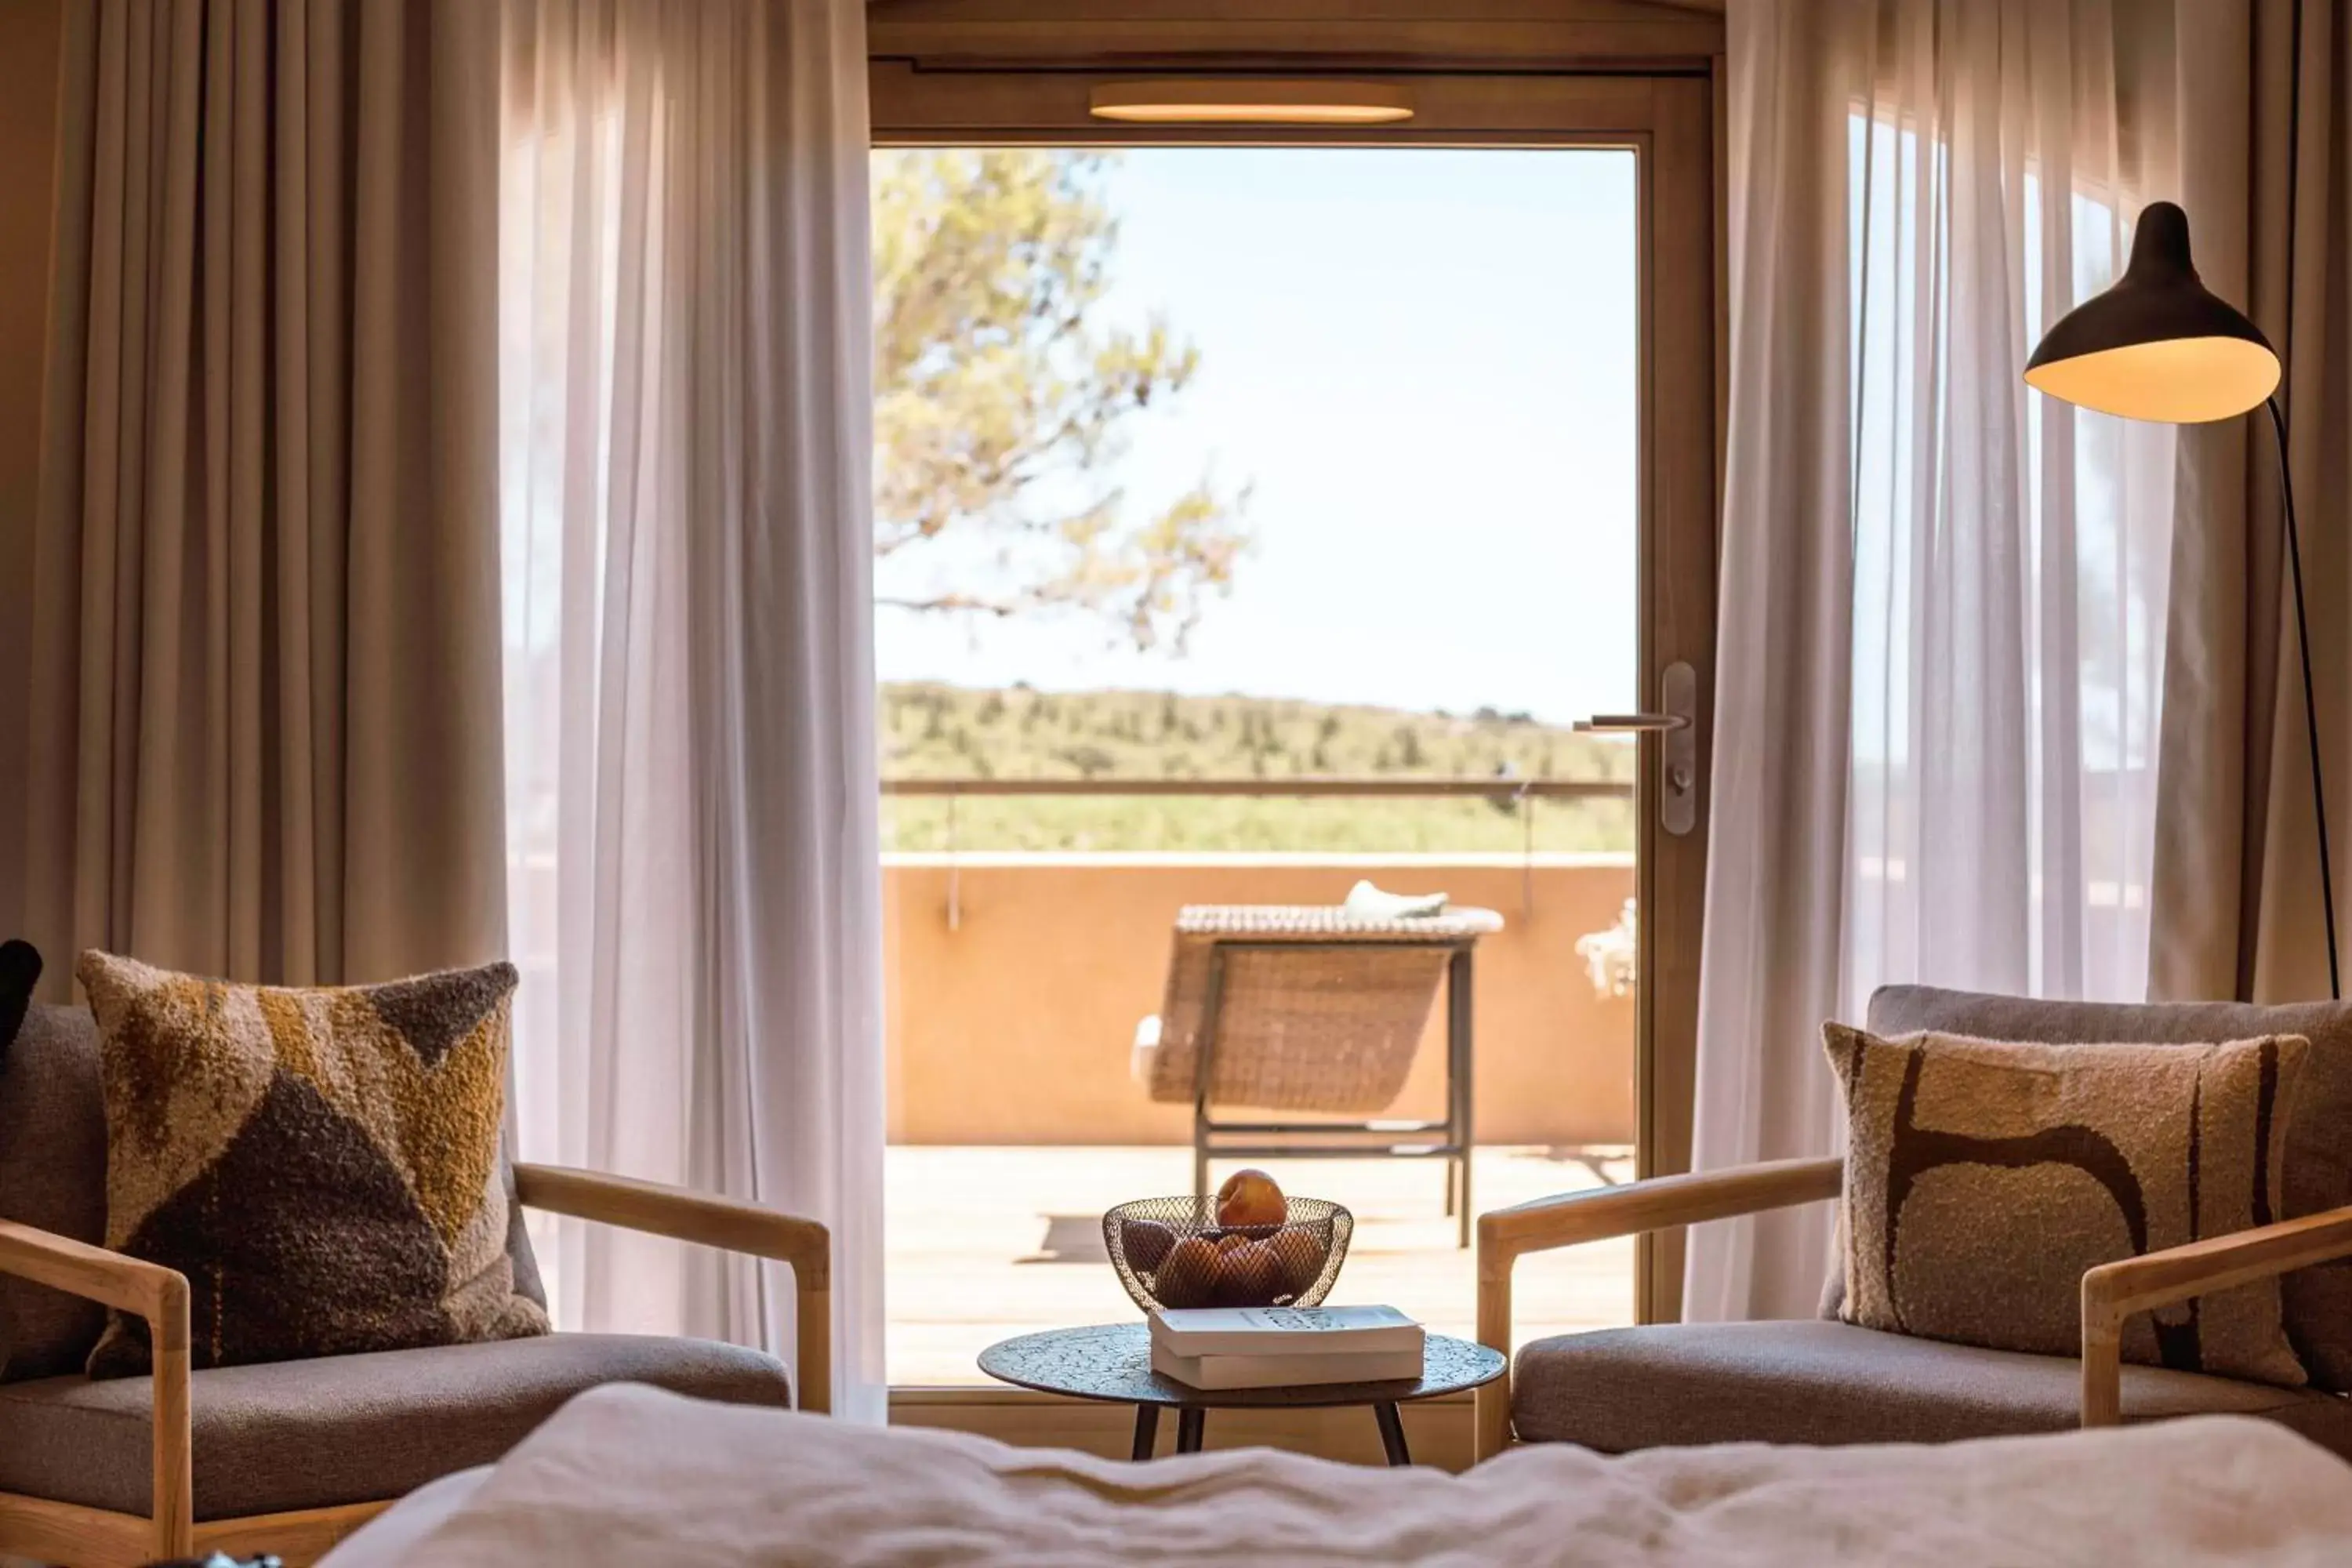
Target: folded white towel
{"points": [[1373, 904]]}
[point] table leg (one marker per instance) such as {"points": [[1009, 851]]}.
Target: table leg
{"points": [[1189, 1422], [1146, 1431], [1391, 1432]]}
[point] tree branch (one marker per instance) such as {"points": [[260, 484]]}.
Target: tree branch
{"points": [[964, 603]]}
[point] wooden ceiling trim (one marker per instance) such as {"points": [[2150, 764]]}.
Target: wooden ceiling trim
{"points": [[1520, 109], [1429, 35]]}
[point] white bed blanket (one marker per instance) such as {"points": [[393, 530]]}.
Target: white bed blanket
{"points": [[630, 1475]]}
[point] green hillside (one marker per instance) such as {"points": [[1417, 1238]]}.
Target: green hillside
{"points": [[930, 730]]}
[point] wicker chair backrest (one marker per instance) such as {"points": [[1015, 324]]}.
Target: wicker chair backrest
{"points": [[1317, 1010]]}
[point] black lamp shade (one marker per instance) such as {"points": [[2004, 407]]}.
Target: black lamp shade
{"points": [[2157, 346]]}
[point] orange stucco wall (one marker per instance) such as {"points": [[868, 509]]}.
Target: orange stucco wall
{"points": [[1013, 1025]]}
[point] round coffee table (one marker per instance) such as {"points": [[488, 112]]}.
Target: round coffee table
{"points": [[1112, 1361]]}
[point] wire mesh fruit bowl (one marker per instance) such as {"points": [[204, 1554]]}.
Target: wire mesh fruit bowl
{"points": [[1172, 1253]]}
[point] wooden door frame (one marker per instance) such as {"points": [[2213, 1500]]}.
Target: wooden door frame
{"points": [[1668, 116], [1682, 459]]}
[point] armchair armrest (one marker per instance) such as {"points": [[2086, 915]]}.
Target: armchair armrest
{"points": [[1660, 1203], [147, 1290], [2114, 1292], [657, 1210]]}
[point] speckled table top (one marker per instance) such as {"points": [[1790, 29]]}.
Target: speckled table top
{"points": [[1113, 1362]]}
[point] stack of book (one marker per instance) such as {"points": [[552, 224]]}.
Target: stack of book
{"points": [[1284, 1347]]}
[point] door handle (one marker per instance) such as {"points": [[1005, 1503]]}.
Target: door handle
{"points": [[1677, 726], [1630, 723]]}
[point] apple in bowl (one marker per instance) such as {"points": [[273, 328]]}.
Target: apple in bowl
{"points": [[1190, 1275], [1251, 1199]]}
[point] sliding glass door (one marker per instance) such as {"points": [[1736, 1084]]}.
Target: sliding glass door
{"points": [[1262, 513]]}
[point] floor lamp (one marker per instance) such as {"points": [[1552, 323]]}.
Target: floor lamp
{"points": [[2159, 346]]}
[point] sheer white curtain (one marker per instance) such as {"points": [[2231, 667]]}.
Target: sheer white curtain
{"points": [[691, 776], [1943, 615]]}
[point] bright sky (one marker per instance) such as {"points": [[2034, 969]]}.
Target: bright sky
{"points": [[1423, 361]]}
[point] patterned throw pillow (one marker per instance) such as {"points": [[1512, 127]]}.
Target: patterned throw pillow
{"points": [[1983, 1179], [321, 1164]]}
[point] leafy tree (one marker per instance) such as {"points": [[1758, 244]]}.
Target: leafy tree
{"points": [[1091, 761], [1002, 402]]}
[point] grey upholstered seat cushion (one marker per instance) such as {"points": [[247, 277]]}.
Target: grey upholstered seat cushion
{"points": [[343, 1429], [1677, 1384], [53, 1178], [2318, 1172]]}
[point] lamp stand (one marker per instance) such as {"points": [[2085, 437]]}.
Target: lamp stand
{"points": [[2310, 702]]}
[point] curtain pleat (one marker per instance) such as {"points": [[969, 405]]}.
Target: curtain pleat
{"points": [[2238, 900], [1782, 743], [265, 702], [692, 789], [1943, 596]]}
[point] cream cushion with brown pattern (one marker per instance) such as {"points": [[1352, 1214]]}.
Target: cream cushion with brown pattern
{"points": [[2318, 1131], [322, 1165], [1983, 1178]]}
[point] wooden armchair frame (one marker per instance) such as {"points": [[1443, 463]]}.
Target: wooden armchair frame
{"points": [[2112, 1292], [98, 1538]]}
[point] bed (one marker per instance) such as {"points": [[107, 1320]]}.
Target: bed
{"points": [[632, 1474]]}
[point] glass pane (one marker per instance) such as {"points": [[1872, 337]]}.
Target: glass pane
{"points": [[1235, 474]]}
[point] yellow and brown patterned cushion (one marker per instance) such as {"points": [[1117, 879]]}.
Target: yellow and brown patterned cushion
{"points": [[322, 1165], [1983, 1178]]}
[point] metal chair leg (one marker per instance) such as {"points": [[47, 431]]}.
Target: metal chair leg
{"points": [[1463, 1214], [1461, 1057], [1204, 1070]]}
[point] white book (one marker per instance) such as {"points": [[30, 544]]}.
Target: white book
{"points": [[1280, 1371], [1285, 1331]]}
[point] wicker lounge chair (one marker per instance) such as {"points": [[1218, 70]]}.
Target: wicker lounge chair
{"points": [[1316, 1009]]}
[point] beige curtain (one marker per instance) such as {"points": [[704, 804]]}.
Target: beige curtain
{"points": [[265, 737], [2266, 143]]}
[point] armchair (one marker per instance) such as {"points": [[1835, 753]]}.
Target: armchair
{"points": [[289, 1457], [1504, 1236], [1831, 1382]]}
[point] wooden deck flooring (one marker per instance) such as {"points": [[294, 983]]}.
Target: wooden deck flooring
{"points": [[989, 1242]]}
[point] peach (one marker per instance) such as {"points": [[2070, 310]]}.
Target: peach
{"points": [[1249, 1276], [1250, 1198], [1301, 1253], [1146, 1243], [1188, 1275]]}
